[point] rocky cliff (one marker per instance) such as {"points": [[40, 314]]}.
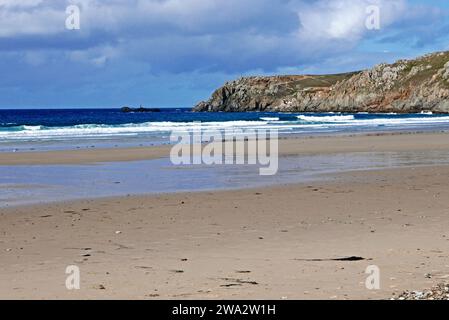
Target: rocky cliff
{"points": [[405, 86]]}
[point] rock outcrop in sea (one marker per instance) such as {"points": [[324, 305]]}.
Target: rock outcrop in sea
{"points": [[419, 85], [140, 109]]}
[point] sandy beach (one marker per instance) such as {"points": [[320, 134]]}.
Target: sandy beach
{"points": [[259, 151], [277, 242], [376, 142]]}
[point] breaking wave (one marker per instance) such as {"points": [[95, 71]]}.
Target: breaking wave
{"points": [[339, 118], [285, 123]]}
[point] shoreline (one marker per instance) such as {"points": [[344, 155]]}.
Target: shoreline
{"points": [[67, 175], [344, 143]]}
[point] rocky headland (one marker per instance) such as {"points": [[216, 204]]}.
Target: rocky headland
{"points": [[407, 86]]}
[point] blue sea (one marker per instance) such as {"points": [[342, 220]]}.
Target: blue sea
{"points": [[24, 130]]}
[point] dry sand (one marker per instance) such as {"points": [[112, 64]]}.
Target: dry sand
{"points": [[273, 243]]}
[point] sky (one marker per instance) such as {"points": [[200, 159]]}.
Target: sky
{"points": [[175, 53]]}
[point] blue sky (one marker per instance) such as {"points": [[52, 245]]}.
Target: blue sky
{"points": [[174, 53]]}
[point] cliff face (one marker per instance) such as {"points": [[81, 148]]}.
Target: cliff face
{"points": [[405, 86]]}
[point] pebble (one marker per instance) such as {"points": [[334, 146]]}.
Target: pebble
{"points": [[438, 292]]}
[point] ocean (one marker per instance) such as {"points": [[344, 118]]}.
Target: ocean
{"points": [[24, 130]]}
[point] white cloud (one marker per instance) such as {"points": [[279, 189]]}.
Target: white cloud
{"points": [[187, 35], [20, 3], [29, 17], [98, 56], [344, 19]]}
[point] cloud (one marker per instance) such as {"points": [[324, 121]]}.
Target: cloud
{"points": [[30, 17], [345, 20], [131, 43], [421, 25], [20, 4], [188, 35]]}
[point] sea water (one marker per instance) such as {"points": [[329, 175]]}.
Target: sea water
{"points": [[25, 130], [24, 184]]}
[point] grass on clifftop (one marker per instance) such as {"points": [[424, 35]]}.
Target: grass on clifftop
{"points": [[430, 65], [301, 83]]}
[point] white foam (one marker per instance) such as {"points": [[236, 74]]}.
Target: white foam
{"points": [[326, 118], [399, 121], [308, 123], [32, 128], [95, 130], [269, 118]]}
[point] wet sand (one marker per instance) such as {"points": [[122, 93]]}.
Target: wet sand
{"points": [[283, 242], [302, 145]]}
